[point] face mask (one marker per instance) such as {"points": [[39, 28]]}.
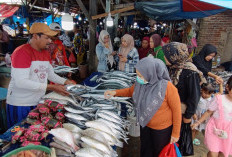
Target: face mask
{"points": [[140, 81]]}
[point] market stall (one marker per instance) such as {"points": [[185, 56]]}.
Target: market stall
{"points": [[84, 120]]}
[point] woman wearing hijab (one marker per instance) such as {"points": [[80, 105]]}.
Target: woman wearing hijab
{"points": [[187, 78], [203, 61], [128, 54], [156, 48], [143, 51], [104, 50], [157, 105]]}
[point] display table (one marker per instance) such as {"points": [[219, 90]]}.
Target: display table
{"points": [[3, 121], [5, 76]]}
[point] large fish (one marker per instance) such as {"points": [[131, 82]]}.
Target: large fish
{"points": [[96, 144], [64, 135], [88, 152], [75, 116], [72, 128]]}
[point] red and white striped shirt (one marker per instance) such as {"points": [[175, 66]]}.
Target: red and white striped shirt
{"points": [[29, 74]]}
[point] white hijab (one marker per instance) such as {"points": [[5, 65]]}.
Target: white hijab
{"points": [[104, 33]]}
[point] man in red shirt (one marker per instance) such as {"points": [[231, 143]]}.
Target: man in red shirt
{"points": [[31, 70]]}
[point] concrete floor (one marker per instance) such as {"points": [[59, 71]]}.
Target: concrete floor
{"points": [[132, 149]]}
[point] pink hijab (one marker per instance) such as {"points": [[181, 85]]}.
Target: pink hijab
{"points": [[125, 50]]}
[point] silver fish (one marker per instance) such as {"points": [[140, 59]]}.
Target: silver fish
{"points": [[72, 127], [75, 116], [88, 152], [96, 144], [95, 135], [72, 110]]}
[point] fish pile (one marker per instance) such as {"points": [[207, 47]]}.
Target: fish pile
{"points": [[64, 69], [225, 75], [93, 124], [114, 80]]}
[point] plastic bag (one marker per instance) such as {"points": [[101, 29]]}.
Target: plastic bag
{"points": [[185, 141], [177, 151], [168, 151]]}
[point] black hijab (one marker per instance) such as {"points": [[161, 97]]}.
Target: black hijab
{"points": [[201, 63]]}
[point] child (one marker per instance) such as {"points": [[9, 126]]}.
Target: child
{"points": [[206, 93], [218, 133]]}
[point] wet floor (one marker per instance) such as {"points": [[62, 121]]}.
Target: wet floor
{"points": [[132, 149]]}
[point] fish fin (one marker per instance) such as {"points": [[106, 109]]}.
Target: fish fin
{"points": [[119, 144]]}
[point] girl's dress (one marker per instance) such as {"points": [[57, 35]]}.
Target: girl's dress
{"points": [[201, 109], [218, 134]]}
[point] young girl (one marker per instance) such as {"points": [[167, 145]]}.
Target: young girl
{"points": [[206, 93], [218, 133]]}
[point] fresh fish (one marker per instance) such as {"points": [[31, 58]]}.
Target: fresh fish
{"points": [[99, 126], [76, 122], [72, 110], [96, 144], [95, 135], [58, 146], [54, 95], [112, 114], [109, 118], [75, 116], [72, 128], [64, 135], [88, 152], [60, 152], [94, 78], [77, 89], [63, 144], [98, 96], [64, 69]]}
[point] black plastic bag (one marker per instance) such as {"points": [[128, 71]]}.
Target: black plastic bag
{"points": [[185, 141]]}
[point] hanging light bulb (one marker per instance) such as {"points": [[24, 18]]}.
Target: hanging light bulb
{"points": [[109, 21], [67, 22], [67, 19], [100, 23], [45, 22], [79, 18], [164, 24], [18, 17], [24, 25], [135, 24]]}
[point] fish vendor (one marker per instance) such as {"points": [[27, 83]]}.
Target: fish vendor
{"points": [[31, 70]]}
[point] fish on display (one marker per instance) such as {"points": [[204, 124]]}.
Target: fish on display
{"points": [[65, 136], [64, 69], [72, 128], [88, 152]]}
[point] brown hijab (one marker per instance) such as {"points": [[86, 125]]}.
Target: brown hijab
{"points": [[156, 39], [125, 50]]}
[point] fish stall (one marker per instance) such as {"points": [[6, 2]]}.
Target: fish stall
{"points": [[82, 124]]}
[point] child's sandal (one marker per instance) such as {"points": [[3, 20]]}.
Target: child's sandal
{"points": [[196, 142]]}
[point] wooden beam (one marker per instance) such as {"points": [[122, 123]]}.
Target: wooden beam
{"points": [[91, 22], [120, 6], [92, 42], [193, 24], [130, 13], [113, 12]]}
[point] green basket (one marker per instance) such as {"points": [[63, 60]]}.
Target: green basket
{"points": [[30, 147]]}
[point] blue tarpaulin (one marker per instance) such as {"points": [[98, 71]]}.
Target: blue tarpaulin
{"points": [[177, 9]]}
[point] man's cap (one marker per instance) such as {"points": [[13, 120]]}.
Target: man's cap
{"points": [[41, 28], [55, 26]]}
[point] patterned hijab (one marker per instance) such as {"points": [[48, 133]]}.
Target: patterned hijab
{"points": [[177, 54], [149, 97], [125, 50]]}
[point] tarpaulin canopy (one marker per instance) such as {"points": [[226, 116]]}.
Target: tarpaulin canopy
{"points": [[177, 9], [7, 10]]}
